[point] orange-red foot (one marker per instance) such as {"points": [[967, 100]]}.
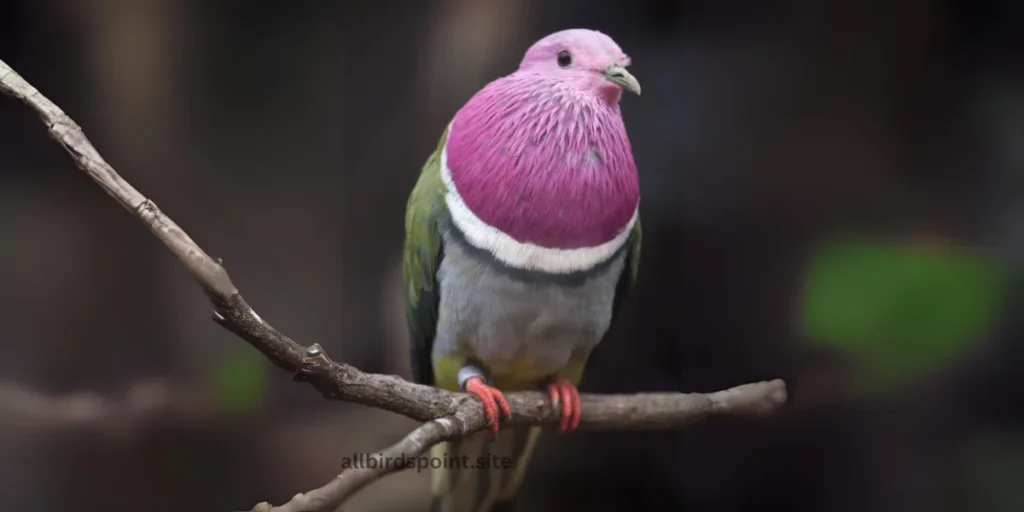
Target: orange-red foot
{"points": [[566, 398], [492, 398]]}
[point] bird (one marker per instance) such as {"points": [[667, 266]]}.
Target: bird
{"points": [[522, 243]]}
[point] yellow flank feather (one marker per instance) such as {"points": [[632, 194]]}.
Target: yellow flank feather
{"points": [[487, 470]]}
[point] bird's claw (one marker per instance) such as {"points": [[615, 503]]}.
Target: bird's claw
{"points": [[492, 399], [565, 398]]}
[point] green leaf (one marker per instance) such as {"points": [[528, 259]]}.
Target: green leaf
{"points": [[899, 311], [241, 379]]}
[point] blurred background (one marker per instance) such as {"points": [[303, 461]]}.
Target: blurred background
{"points": [[286, 136]]}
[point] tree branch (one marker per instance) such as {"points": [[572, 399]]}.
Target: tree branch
{"points": [[446, 415], [607, 412], [25, 409]]}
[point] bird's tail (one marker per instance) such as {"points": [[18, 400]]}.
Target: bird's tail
{"points": [[478, 474]]}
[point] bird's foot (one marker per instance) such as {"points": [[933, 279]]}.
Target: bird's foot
{"points": [[565, 398], [491, 398]]}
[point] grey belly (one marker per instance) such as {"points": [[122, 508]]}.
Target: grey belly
{"points": [[500, 319]]}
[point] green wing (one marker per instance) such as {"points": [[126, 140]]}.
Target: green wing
{"points": [[629, 274], [421, 257]]}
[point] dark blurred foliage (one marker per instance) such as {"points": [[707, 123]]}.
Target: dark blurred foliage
{"points": [[285, 138]]}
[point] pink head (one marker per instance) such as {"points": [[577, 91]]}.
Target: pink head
{"points": [[541, 156], [588, 60]]}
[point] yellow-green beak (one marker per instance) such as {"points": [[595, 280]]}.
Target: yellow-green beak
{"points": [[619, 76]]}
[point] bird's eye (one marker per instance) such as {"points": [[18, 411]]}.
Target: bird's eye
{"points": [[564, 59]]}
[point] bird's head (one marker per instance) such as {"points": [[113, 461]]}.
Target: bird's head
{"points": [[584, 59]]}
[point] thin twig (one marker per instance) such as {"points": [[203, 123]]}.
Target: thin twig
{"points": [[446, 415], [401, 455]]}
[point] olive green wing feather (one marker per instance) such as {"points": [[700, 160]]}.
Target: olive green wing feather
{"points": [[627, 281], [421, 258]]}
